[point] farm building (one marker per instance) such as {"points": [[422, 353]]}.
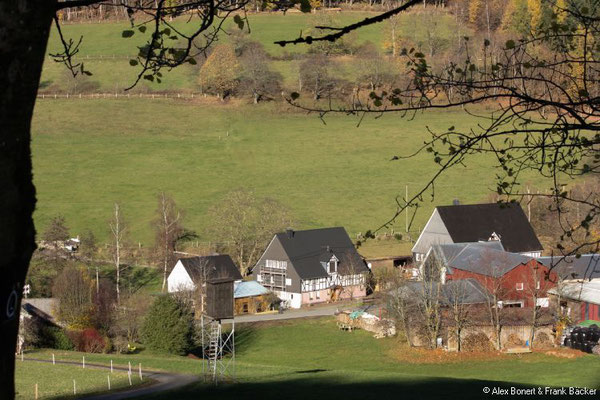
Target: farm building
{"points": [[250, 297], [210, 279], [518, 280], [581, 300], [312, 266], [191, 271], [506, 223], [579, 291], [571, 268]]}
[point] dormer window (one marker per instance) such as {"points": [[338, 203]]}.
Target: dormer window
{"points": [[332, 265]]}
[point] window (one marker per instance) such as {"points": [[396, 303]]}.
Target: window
{"points": [[245, 308], [258, 278], [543, 302], [310, 295], [520, 286], [276, 264], [512, 304], [319, 296], [333, 266], [537, 285], [288, 282]]}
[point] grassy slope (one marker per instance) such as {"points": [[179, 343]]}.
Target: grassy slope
{"points": [[334, 174], [56, 381], [276, 358]]}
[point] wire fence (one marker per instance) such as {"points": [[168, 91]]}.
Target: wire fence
{"points": [[102, 57], [118, 95]]}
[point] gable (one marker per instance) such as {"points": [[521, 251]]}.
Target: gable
{"points": [[179, 279], [434, 232], [477, 222]]}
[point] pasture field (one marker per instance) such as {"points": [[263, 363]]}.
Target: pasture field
{"points": [[106, 54], [279, 358], [87, 154], [56, 381]]}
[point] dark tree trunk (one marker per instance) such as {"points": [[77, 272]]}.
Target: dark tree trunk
{"points": [[24, 28]]}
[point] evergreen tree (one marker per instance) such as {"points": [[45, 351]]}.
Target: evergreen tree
{"points": [[168, 326]]}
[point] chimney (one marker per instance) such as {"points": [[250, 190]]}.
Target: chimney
{"points": [[455, 202], [290, 233]]}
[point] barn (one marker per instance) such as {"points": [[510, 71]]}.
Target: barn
{"points": [[518, 280]]}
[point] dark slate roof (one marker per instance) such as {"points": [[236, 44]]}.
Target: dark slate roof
{"points": [[475, 222], [481, 258], [217, 267], [587, 266], [307, 249]]}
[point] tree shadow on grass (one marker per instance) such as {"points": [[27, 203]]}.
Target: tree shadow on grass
{"points": [[331, 388], [245, 335]]}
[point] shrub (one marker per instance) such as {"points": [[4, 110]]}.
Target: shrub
{"points": [[61, 340], [88, 340], [168, 326], [45, 335]]}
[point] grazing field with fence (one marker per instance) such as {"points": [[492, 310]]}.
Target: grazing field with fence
{"points": [[66, 381], [305, 358]]}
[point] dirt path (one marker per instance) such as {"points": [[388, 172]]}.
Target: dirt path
{"points": [[162, 381]]}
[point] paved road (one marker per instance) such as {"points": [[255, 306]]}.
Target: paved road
{"points": [[162, 381], [289, 314], [317, 311]]}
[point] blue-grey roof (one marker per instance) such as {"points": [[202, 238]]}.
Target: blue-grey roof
{"points": [[587, 266], [248, 289], [486, 258], [462, 291]]}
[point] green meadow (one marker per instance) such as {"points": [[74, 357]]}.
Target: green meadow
{"points": [[56, 381], [310, 357], [87, 154]]}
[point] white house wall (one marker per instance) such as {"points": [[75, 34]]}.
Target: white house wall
{"points": [[294, 300], [179, 280]]}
